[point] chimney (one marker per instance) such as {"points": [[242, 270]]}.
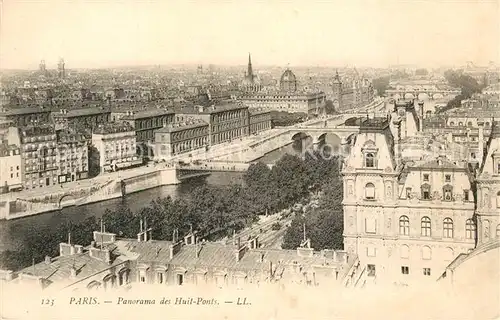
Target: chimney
{"points": [[48, 260], [261, 258], [73, 272]]}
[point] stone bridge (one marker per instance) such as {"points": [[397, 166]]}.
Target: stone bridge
{"points": [[422, 94]]}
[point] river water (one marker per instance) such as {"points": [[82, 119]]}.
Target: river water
{"points": [[12, 232]]}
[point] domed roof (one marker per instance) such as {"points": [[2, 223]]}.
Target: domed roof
{"points": [[288, 76]]}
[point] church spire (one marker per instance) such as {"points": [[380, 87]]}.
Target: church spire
{"points": [[250, 71]]}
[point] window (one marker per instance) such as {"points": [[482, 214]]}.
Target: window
{"points": [[404, 226], [370, 191], [498, 199], [473, 155], [404, 251], [466, 195], [426, 192], [142, 276], [447, 193], [498, 231], [180, 279], [371, 270], [426, 177], [426, 253], [447, 178], [369, 160], [371, 252], [408, 193], [447, 228], [427, 271], [405, 270], [159, 277], [425, 227], [370, 225], [470, 229]]}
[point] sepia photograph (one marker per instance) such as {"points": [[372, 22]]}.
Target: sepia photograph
{"points": [[239, 159]]}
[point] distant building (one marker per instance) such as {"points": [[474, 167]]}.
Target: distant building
{"points": [[288, 98], [61, 72], [10, 168], [260, 120], [88, 118], [26, 116], [226, 122], [181, 137], [145, 123], [117, 146], [352, 94], [251, 82]]}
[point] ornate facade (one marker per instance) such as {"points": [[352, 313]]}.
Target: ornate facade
{"points": [[406, 218], [72, 155], [251, 82]]}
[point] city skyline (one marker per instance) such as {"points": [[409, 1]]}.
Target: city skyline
{"points": [[340, 33]]}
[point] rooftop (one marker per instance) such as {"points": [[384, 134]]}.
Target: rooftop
{"points": [[180, 126], [210, 109], [113, 127], [64, 113], [146, 114]]}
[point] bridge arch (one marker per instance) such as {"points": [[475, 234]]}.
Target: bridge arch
{"points": [[423, 96], [302, 141], [330, 143], [409, 95]]}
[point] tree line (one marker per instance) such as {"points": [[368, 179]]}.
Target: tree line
{"points": [[466, 83], [215, 211]]}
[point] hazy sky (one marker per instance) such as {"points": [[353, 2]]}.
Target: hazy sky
{"points": [[329, 32]]}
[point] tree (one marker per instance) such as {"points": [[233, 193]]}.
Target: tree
{"points": [[295, 233], [94, 162], [330, 108], [381, 84]]}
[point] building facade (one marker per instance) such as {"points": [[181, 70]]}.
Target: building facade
{"points": [[38, 146], [117, 146], [145, 123], [405, 219], [260, 120], [226, 122], [351, 94], [294, 102], [27, 116], [72, 155], [88, 118], [10, 168], [181, 137]]}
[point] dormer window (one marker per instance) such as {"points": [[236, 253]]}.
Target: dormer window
{"points": [[426, 191], [408, 193], [447, 178], [369, 160], [426, 177]]}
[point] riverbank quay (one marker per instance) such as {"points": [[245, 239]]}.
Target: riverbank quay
{"points": [[25, 203]]}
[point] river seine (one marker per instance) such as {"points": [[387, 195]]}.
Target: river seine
{"points": [[12, 232]]}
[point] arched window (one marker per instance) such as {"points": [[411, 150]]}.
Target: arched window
{"points": [[404, 226], [470, 229], [370, 191], [469, 124], [369, 160], [425, 226], [452, 123], [448, 228]]}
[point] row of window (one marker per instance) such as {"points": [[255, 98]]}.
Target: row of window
{"points": [[371, 270], [425, 227], [425, 192]]}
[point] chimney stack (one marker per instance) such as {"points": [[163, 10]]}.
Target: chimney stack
{"points": [[48, 260]]}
